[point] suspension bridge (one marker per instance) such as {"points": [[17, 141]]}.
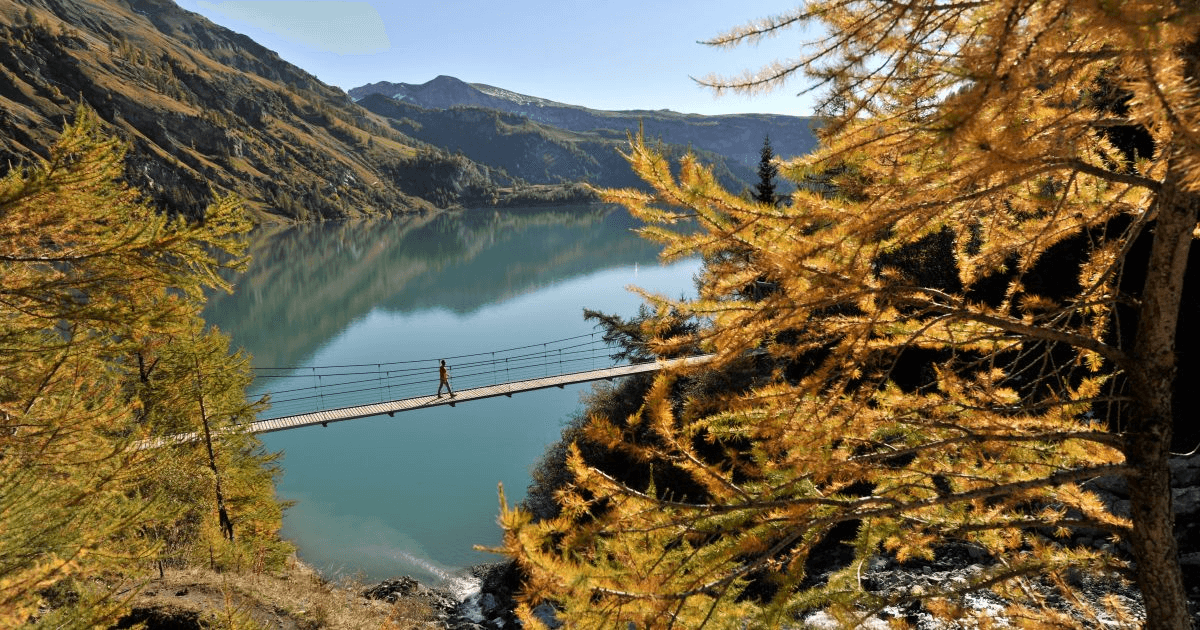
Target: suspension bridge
{"points": [[302, 396]]}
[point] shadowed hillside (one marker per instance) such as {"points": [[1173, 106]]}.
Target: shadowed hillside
{"points": [[738, 137], [531, 151]]}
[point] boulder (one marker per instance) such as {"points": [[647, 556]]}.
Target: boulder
{"points": [[1185, 471], [393, 589], [1186, 500]]}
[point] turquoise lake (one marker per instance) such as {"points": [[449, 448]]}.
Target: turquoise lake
{"points": [[415, 493]]}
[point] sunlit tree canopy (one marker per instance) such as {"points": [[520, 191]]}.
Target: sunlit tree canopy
{"points": [[966, 311]]}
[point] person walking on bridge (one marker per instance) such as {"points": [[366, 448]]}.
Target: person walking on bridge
{"points": [[444, 379]]}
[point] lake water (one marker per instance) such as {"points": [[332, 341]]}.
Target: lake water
{"points": [[413, 494]]}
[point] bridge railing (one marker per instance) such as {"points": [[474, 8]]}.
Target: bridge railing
{"points": [[306, 389]]}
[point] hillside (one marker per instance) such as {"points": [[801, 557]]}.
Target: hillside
{"points": [[208, 111], [534, 152], [735, 136], [205, 109]]}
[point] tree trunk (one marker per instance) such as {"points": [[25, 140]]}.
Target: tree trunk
{"points": [[222, 513], [1152, 377]]}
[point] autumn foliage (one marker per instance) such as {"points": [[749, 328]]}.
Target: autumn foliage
{"points": [[973, 315], [103, 348]]}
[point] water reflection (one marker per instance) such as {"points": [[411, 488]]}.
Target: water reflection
{"points": [[309, 282]]}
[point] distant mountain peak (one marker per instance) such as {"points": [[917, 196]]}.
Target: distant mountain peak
{"points": [[444, 91]]}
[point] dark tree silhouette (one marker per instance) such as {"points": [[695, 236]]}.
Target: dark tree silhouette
{"points": [[764, 192]]}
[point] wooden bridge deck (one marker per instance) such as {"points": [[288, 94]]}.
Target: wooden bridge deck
{"points": [[421, 402]]}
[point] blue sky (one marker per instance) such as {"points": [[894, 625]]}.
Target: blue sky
{"points": [[605, 54]]}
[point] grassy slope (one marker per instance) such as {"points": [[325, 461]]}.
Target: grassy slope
{"points": [[296, 598]]}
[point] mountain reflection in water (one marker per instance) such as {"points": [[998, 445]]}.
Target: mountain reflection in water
{"points": [[308, 282]]}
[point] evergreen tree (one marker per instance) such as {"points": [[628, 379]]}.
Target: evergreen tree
{"points": [[961, 331], [764, 191]]}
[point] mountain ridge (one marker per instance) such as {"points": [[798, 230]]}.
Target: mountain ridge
{"points": [[207, 111], [735, 136], [533, 152]]}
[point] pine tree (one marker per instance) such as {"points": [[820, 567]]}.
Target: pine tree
{"points": [[961, 331], [764, 191]]}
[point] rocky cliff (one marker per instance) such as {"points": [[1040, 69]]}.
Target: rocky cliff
{"points": [[207, 110]]}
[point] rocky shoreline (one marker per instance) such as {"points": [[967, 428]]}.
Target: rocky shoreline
{"points": [[490, 606]]}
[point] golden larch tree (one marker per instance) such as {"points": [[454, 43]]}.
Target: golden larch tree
{"points": [[100, 295], [973, 313]]}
